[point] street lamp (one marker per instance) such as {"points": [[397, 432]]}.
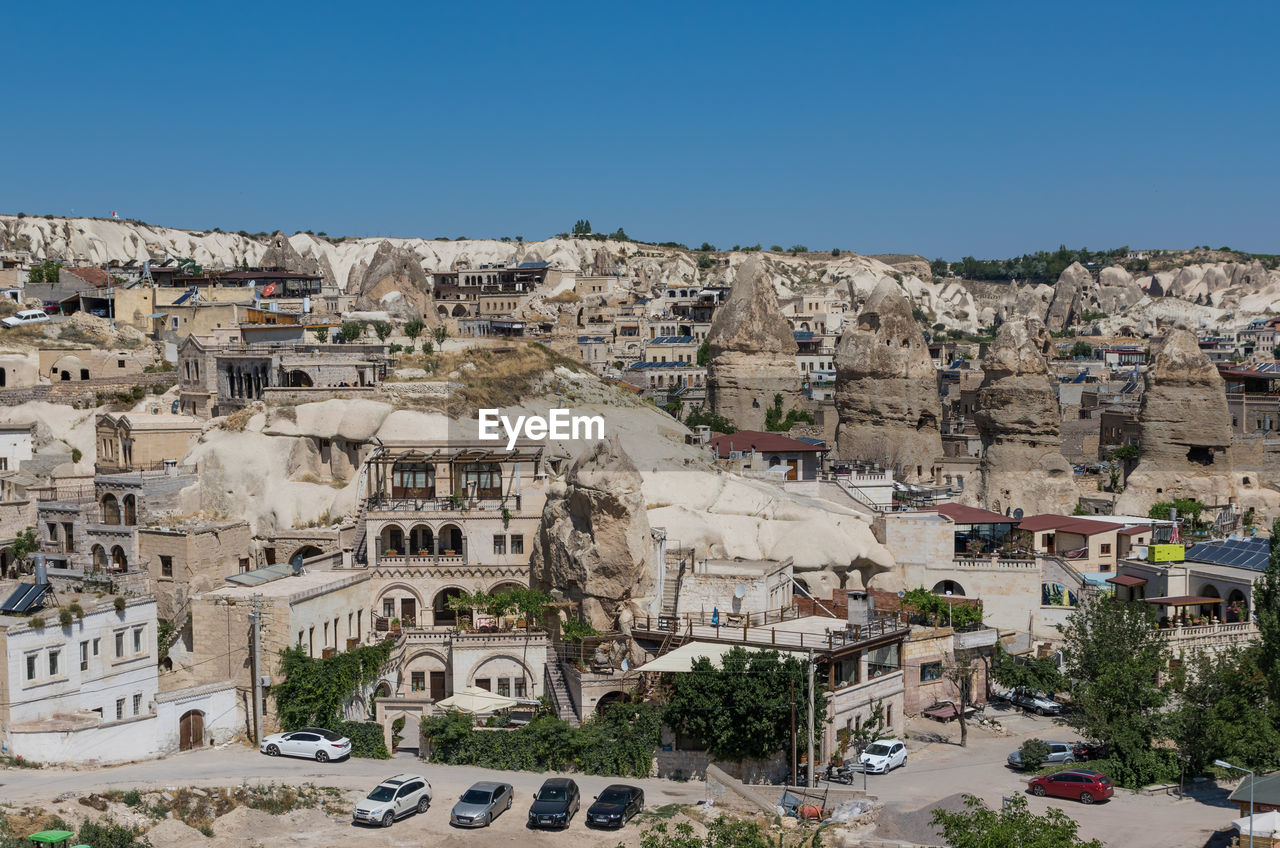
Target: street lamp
{"points": [[1226, 765]]}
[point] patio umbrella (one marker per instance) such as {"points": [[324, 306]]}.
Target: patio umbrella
{"points": [[474, 700]]}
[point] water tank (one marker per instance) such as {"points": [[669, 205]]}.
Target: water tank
{"points": [[41, 570]]}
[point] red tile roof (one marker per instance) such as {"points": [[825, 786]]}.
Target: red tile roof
{"points": [[1127, 580], [1184, 600], [1068, 524], [1134, 531], [749, 440], [961, 514], [93, 276]]}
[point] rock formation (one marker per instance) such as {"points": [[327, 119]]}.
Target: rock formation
{"points": [[397, 270], [753, 354], [887, 388], [1021, 425], [1185, 425], [594, 544], [1066, 296]]}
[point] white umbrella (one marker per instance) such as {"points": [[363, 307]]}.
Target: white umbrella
{"points": [[473, 700], [1265, 825]]}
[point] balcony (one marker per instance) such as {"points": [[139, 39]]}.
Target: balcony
{"points": [[422, 560], [1014, 563], [393, 504], [1198, 637]]}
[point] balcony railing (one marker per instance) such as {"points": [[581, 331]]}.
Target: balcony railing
{"points": [[1218, 635], [423, 560], [744, 630], [403, 503]]}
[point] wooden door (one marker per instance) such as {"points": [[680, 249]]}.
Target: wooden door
{"points": [[437, 686], [191, 730]]}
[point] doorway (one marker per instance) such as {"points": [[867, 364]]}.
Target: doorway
{"points": [[191, 730]]}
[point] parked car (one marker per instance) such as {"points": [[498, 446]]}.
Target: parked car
{"points": [[52, 307], [1059, 752], [314, 743], [616, 806], [25, 316], [1084, 785], [481, 804], [555, 803], [1084, 751], [1035, 702], [884, 755], [394, 798]]}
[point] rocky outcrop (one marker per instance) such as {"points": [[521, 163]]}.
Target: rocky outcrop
{"points": [[1021, 425], [1067, 292], [1185, 424], [753, 354], [594, 544], [396, 282], [887, 388], [281, 253]]}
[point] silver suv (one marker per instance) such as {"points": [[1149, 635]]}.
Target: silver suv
{"points": [[394, 798], [1059, 752]]}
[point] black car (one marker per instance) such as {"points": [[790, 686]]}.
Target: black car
{"points": [[615, 806], [555, 803]]}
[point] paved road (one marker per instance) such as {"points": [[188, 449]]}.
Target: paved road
{"points": [[941, 770]]}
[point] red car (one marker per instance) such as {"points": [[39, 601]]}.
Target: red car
{"points": [[1085, 785]]}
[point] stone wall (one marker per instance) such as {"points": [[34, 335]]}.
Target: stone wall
{"points": [[287, 394], [83, 393]]}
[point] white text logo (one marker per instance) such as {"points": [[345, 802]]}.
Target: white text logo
{"points": [[560, 424]]}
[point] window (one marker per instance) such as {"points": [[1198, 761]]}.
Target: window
{"points": [[31, 666], [418, 681], [119, 363], [504, 687], [53, 662], [300, 635], [520, 688], [84, 656], [485, 477], [930, 671], [881, 661], [1106, 548], [137, 640], [137, 704], [499, 544], [119, 709], [119, 643], [166, 566], [517, 543], [483, 683], [95, 646], [244, 564]]}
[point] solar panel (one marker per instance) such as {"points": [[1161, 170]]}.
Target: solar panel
{"points": [[26, 596], [13, 600], [1251, 554]]}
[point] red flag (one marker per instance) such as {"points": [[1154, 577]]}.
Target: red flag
{"points": [[269, 289]]}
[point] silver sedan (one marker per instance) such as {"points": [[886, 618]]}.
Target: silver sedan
{"points": [[481, 804]]}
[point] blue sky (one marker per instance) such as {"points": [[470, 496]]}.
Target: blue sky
{"points": [[937, 128]]}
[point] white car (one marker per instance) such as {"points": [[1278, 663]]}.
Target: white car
{"points": [[314, 743], [394, 798], [24, 317], [883, 755]]}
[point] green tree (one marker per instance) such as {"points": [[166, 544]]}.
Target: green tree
{"points": [[1266, 605], [315, 691], [1114, 654], [775, 421], [1083, 350], [742, 708], [1013, 826], [704, 353], [707, 247], [704, 417], [582, 227], [24, 544], [1126, 452], [440, 334], [1033, 753], [1222, 712], [414, 328], [351, 331], [577, 631], [382, 330], [321, 334], [835, 251]]}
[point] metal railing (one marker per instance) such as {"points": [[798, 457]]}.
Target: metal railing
{"points": [[391, 503], [754, 629]]}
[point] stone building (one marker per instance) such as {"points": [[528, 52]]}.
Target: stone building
{"points": [[186, 558], [143, 442]]}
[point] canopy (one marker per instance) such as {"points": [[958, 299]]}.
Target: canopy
{"points": [[1266, 825], [51, 836], [474, 700], [681, 659]]}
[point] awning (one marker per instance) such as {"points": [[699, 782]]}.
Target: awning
{"points": [[1184, 601], [473, 700], [1265, 825], [1127, 580], [51, 836], [157, 314], [681, 659]]}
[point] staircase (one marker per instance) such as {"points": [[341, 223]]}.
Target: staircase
{"points": [[558, 691], [360, 547], [675, 566]]}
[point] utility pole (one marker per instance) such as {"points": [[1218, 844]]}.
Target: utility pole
{"points": [[255, 619], [793, 731], [812, 765]]}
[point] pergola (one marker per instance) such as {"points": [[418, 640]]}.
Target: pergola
{"points": [[1180, 603]]}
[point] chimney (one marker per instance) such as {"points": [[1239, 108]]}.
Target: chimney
{"points": [[861, 607]]}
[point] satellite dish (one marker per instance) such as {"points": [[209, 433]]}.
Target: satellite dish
{"points": [[1017, 514], [901, 594], [740, 591]]}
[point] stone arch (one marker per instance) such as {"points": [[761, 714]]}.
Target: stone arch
{"points": [[459, 311], [130, 505], [443, 310], [608, 699], [440, 605], [110, 509], [392, 538], [496, 668], [1209, 590], [422, 540], [304, 552], [424, 663], [505, 585], [99, 556], [1237, 597], [300, 379], [383, 689], [119, 560], [451, 538], [942, 587], [402, 601]]}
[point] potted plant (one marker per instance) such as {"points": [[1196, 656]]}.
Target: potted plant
{"points": [[395, 624], [391, 552]]}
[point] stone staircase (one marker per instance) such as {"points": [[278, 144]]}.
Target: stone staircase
{"points": [[360, 545], [677, 561], [558, 691]]}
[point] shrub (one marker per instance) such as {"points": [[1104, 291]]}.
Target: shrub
{"points": [[366, 739], [65, 617], [36, 621], [1033, 752], [119, 603], [76, 454]]}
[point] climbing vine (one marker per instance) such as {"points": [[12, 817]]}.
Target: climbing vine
{"points": [[315, 691]]}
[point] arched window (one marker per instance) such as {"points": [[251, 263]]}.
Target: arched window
{"points": [[130, 510], [99, 559], [110, 509], [119, 562]]}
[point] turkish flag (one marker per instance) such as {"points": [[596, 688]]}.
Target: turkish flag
{"points": [[269, 289]]}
